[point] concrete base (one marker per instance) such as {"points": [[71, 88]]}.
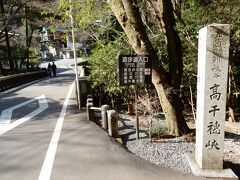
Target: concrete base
{"points": [[223, 174]]}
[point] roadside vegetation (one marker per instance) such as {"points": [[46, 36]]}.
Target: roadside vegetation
{"points": [[20, 21], [117, 26]]}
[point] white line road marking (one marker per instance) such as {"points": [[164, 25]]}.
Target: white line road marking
{"points": [[46, 170], [6, 115]]}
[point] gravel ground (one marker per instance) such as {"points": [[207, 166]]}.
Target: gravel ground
{"points": [[172, 152], [170, 155]]}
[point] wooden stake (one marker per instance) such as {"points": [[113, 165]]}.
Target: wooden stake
{"points": [[192, 104], [136, 112]]}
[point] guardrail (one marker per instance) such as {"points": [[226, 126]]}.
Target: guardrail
{"points": [[109, 117], [11, 81]]}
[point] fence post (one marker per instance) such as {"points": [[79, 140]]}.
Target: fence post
{"points": [[113, 118], [90, 113], [104, 109]]}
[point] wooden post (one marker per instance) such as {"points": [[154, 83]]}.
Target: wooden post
{"points": [[136, 112]]}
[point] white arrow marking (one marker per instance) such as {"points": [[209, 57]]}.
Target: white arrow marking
{"points": [[6, 115]]}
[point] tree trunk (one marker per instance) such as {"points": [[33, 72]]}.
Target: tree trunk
{"points": [[15, 63], [172, 106], [174, 47], [27, 39], [6, 30], [2, 70], [11, 63], [166, 84], [231, 114]]}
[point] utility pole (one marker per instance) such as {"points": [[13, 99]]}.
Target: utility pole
{"points": [[74, 55]]}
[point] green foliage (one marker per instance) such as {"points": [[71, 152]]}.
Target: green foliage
{"points": [[158, 128], [93, 12], [18, 52], [94, 20], [99, 33], [194, 16], [23, 18], [34, 56], [3, 58], [103, 63]]}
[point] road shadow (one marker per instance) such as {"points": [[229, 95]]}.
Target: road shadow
{"points": [[127, 131], [235, 167], [10, 97]]}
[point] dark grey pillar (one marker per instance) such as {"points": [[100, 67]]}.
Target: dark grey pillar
{"points": [[90, 113]]}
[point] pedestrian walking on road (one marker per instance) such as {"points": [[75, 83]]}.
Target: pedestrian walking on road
{"points": [[54, 68], [49, 70]]}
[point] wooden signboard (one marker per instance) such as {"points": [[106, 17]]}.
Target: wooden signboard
{"points": [[134, 69]]}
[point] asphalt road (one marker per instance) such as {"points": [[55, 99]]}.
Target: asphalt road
{"points": [[44, 136], [29, 114]]}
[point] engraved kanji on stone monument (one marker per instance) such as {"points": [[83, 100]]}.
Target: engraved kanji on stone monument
{"points": [[213, 57]]}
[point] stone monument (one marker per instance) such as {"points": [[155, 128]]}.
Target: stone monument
{"points": [[213, 55]]}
